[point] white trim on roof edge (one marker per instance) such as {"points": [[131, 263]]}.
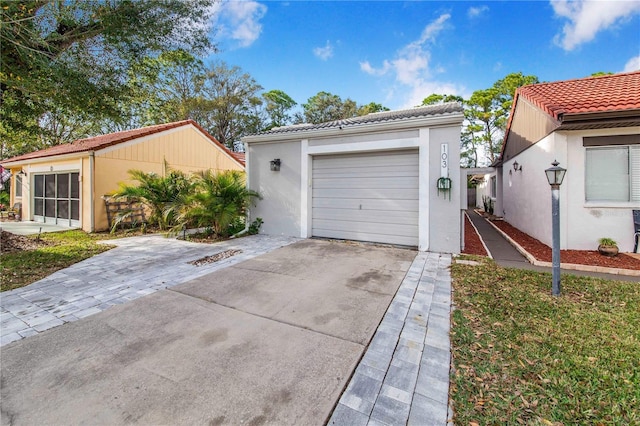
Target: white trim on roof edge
{"points": [[389, 125]]}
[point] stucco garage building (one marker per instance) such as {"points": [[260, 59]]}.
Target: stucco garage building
{"points": [[371, 178], [64, 184]]}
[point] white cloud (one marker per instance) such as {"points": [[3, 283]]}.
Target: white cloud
{"points": [[366, 67], [240, 21], [325, 52], [588, 17], [474, 12], [632, 64], [412, 69]]}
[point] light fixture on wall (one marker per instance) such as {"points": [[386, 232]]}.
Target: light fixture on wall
{"points": [[517, 167], [275, 165], [21, 173]]}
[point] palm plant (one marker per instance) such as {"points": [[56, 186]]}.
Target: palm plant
{"points": [[218, 200], [160, 194]]}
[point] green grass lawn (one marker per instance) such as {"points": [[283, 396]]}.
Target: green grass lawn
{"points": [[522, 356], [64, 249]]}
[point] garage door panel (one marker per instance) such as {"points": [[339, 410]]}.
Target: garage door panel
{"points": [[366, 196], [367, 227], [383, 171], [364, 215], [368, 204], [391, 194], [367, 183], [355, 161], [357, 236]]}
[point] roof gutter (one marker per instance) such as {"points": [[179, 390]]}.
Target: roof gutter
{"points": [[599, 115], [350, 129], [36, 160]]}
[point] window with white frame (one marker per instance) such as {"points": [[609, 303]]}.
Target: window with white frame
{"points": [[613, 173], [18, 185]]}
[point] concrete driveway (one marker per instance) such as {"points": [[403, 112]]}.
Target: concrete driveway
{"points": [[270, 340]]}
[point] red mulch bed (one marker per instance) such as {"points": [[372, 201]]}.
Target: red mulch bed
{"points": [[542, 252], [472, 243]]}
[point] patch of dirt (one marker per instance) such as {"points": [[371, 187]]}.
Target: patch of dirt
{"points": [[10, 243], [542, 251], [472, 242], [215, 257]]}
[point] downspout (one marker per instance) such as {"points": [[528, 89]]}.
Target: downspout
{"points": [[92, 190]]}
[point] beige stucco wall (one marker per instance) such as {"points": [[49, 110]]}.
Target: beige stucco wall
{"points": [[184, 148]]}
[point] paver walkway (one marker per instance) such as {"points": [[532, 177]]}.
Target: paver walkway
{"points": [[403, 377], [137, 267], [507, 256]]}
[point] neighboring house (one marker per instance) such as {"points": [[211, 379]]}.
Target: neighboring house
{"points": [[65, 184], [591, 126], [370, 178], [486, 187]]}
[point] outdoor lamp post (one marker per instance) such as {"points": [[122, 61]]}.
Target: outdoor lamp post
{"points": [[555, 175]]}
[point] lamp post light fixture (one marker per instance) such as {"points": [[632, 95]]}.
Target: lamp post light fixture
{"points": [[555, 176]]}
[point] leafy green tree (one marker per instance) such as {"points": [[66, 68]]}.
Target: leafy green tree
{"points": [[436, 98], [232, 104], [487, 112], [219, 199], [486, 115], [325, 106], [277, 105], [71, 57], [166, 88], [161, 194], [370, 108]]}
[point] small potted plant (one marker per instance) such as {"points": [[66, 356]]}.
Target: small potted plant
{"points": [[608, 247]]}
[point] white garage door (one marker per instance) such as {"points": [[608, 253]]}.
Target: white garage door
{"points": [[366, 197]]}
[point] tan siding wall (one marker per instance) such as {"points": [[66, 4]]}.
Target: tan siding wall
{"points": [[185, 149], [85, 194], [529, 125]]}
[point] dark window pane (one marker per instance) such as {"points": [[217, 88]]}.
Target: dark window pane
{"points": [[75, 185], [75, 209], [63, 185], [39, 181], [49, 207], [63, 209], [38, 205], [50, 186]]}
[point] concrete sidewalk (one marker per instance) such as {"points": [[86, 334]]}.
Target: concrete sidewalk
{"points": [[507, 256], [30, 227]]}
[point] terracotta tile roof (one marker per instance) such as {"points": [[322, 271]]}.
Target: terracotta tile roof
{"points": [[377, 117], [617, 92], [103, 141], [239, 156]]}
